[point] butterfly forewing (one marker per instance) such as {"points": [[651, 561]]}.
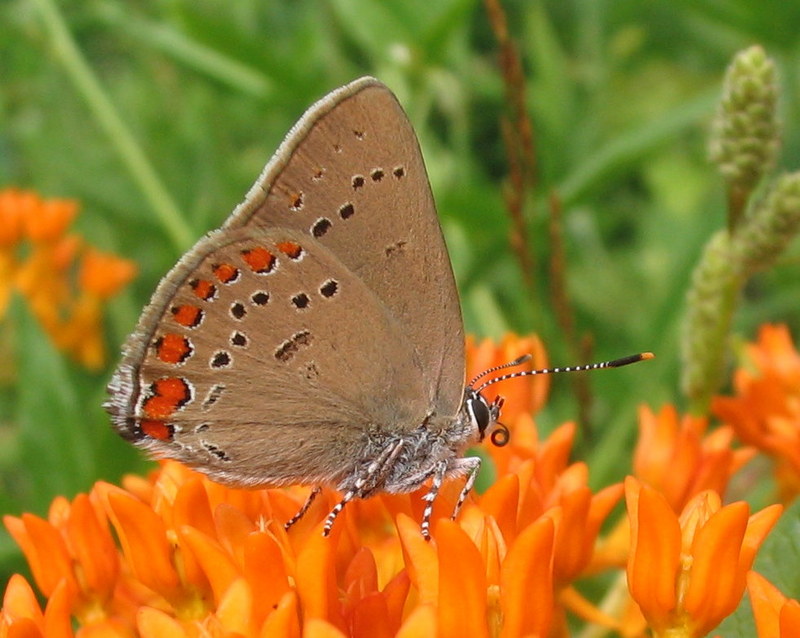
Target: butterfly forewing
{"points": [[351, 175]]}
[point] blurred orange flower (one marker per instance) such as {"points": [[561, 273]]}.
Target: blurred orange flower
{"points": [[765, 412], [676, 457], [37, 259]]}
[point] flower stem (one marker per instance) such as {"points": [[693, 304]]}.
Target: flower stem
{"points": [[67, 53]]}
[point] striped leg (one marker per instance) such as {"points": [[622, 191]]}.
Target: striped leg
{"points": [[312, 495], [349, 496], [365, 484], [438, 478], [470, 467]]}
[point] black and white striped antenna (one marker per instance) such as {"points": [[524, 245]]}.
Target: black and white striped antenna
{"points": [[613, 363]]}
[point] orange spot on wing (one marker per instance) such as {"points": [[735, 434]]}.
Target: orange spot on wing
{"points": [[159, 407], [226, 273], [259, 259], [203, 289], [173, 348], [290, 249], [156, 429], [166, 396], [173, 388], [188, 316]]}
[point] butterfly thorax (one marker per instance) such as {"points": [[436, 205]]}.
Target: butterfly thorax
{"points": [[402, 463]]}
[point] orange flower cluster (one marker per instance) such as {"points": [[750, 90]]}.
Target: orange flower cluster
{"points": [[687, 573], [765, 412], [180, 556], [674, 455], [39, 260]]}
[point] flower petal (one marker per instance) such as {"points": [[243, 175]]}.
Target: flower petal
{"points": [[501, 501], [265, 572], [766, 601], [235, 607], [318, 628], [93, 548], [154, 623], [421, 560], [284, 622], [45, 550], [421, 623], [527, 582], [462, 583], [758, 526], [790, 619], [214, 561], [315, 577], [58, 613], [716, 584], [143, 538], [396, 594], [655, 552], [19, 601], [370, 618]]}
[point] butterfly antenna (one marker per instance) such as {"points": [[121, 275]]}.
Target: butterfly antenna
{"points": [[516, 362], [614, 363]]}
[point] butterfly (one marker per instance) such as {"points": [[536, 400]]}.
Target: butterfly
{"points": [[316, 337]]}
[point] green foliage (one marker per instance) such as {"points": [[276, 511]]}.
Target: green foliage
{"points": [[200, 93]]}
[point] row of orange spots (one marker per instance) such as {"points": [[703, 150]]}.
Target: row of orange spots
{"points": [[259, 260]]}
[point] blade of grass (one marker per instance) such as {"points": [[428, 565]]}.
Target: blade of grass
{"points": [[203, 59], [132, 156]]}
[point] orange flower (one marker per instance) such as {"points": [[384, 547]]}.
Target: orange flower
{"points": [[674, 457], [177, 555], [42, 272], [103, 275], [196, 558], [776, 616], [765, 412], [688, 573]]}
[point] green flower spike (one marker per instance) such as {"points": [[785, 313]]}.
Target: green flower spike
{"points": [[744, 140], [769, 227], [744, 144]]}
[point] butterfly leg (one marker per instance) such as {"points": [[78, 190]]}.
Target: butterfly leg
{"points": [[366, 483], [314, 493], [439, 471], [470, 466]]}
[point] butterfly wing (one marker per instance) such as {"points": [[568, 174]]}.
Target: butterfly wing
{"points": [[351, 175], [262, 359]]}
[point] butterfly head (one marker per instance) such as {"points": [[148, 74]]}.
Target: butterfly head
{"points": [[483, 417]]}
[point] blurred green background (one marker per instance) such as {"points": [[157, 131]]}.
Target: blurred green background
{"points": [[620, 96]]}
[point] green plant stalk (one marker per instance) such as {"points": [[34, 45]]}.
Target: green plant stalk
{"points": [[131, 154], [712, 300]]}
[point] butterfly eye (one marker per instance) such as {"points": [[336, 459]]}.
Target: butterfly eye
{"points": [[480, 414]]}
